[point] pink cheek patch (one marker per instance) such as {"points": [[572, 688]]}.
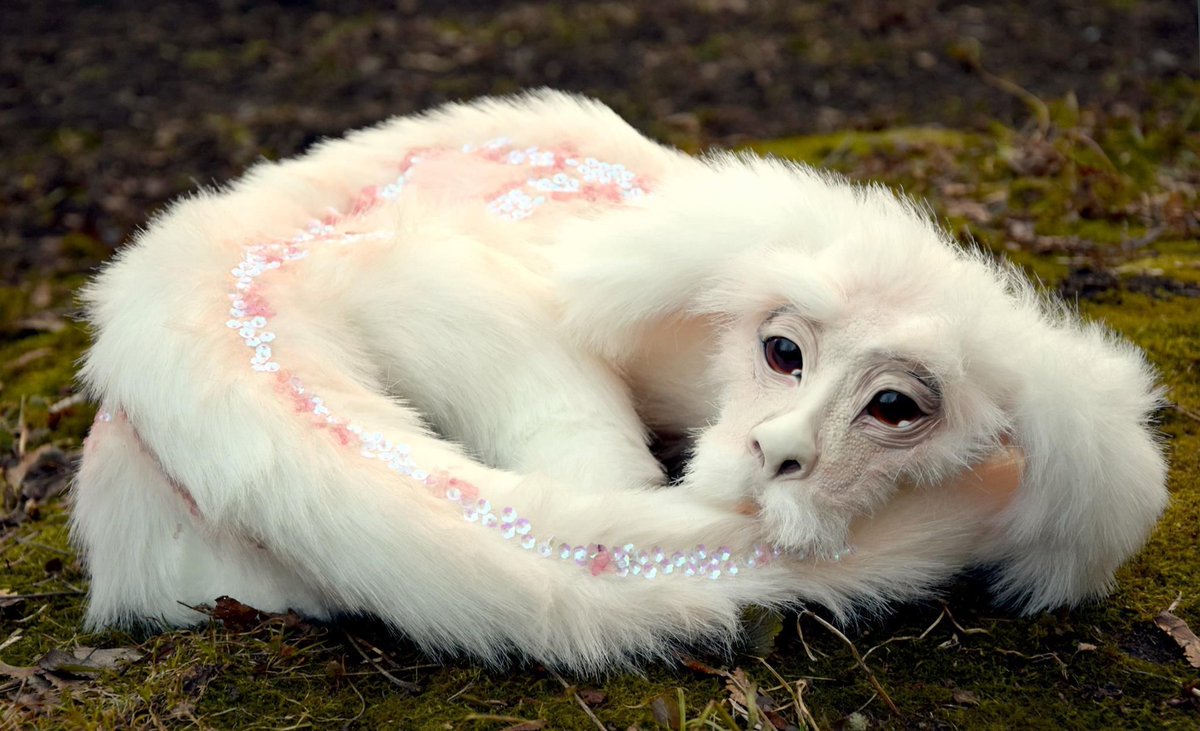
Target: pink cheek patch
{"points": [[998, 479]]}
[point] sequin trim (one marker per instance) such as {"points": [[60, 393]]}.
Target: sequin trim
{"points": [[561, 175]]}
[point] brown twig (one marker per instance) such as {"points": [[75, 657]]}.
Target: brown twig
{"points": [[1186, 412], [410, 687], [1094, 146], [906, 638], [463, 689], [1145, 240], [1040, 111], [43, 546], [797, 696], [66, 403], [959, 627], [1062, 666], [861, 663], [804, 643], [493, 717], [579, 700]]}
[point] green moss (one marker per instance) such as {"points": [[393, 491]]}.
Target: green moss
{"points": [[1179, 260], [841, 146], [42, 365], [967, 665]]}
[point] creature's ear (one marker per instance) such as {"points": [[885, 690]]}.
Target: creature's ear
{"points": [[994, 483], [1093, 483], [623, 274], [618, 274]]}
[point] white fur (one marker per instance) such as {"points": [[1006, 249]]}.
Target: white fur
{"points": [[527, 357]]}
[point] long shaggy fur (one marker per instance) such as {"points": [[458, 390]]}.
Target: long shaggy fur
{"points": [[529, 358]]}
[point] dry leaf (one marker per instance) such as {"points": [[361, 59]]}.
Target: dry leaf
{"points": [[86, 661], [17, 673], [1182, 634], [973, 211], [42, 473], [965, 698], [593, 697], [666, 711], [9, 599], [737, 685], [196, 678], [235, 615], [692, 663]]}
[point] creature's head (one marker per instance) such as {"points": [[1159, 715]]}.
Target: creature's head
{"points": [[861, 353], [837, 387]]}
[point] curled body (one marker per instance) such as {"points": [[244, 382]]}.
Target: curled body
{"points": [[413, 374]]}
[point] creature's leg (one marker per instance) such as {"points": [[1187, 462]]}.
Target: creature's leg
{"points": [[150, 553], [477, 354]]}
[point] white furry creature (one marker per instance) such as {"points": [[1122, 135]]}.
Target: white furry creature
{"points": [[412, 374]]}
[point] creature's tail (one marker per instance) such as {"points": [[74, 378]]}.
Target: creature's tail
{"points": [[326, 538], [208, 481]]}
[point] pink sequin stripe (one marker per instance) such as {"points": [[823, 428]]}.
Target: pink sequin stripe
{"points": [[561, 174], [566, 174]]}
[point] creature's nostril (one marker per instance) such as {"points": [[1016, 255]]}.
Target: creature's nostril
{"points": [[756, 448], [789, 467]]}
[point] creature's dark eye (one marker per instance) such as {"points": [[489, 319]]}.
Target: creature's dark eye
{"points": [[783, 356], [894, 408]]}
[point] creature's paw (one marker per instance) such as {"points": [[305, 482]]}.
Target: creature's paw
{"points": [[802, 526]]}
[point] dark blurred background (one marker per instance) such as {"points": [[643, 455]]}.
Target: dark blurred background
{"points": [[108, 109]]}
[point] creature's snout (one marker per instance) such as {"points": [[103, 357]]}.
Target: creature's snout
{"points": [[786, 446]]}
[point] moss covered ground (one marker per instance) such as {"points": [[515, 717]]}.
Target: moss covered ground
{"points": [[1101, 206]]}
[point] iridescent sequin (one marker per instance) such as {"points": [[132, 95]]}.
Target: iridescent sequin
{"points": [[556, 174]]}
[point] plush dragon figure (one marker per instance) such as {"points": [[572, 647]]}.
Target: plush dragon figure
{"points": [[413, 374]]}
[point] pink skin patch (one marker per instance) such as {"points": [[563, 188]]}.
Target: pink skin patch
{"points": [[601, 562], [106, 416], [995, 481]]}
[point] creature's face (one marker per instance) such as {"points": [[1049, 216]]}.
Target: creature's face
{"points": [[824, 414], [919, 366]]}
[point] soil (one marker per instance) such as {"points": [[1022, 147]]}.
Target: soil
{"points": [[109, 109], [1065, 138]]}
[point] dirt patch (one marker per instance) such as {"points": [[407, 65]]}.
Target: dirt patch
{"points": [[1086, 283], [111, 109], [1146, 642]]}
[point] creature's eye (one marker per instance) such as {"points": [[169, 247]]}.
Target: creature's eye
{"points": [[894, 409], [783, 356]]}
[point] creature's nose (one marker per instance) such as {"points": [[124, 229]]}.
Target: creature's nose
{"points": [[785, 446]]}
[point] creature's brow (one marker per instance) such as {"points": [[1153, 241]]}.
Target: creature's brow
{"points": [[911, 367], [789, 310], [927, 379]]}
